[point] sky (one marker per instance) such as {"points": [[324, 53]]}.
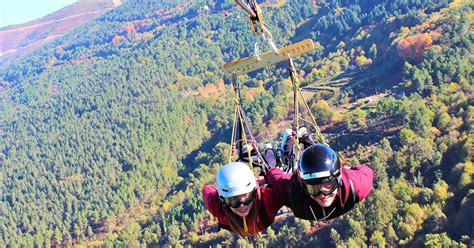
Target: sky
{"points": [[21, 11]]}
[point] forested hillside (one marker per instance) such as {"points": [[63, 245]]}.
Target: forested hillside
{"points": [[16, 41], [109, 133]]}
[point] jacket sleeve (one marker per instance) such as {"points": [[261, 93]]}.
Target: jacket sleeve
{"points": [[211, 199], [272, 205], [280, 184], [362, 177]]}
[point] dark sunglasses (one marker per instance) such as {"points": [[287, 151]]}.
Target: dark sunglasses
{"points": [[235, 201], [317, 190]]}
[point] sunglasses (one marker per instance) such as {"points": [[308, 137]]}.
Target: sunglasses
{"points": [[322, 189], [236, 201]]}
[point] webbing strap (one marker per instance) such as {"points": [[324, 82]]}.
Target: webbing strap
{"points": [[354, 195], [297, 95], [244, 220], [242, 134]]}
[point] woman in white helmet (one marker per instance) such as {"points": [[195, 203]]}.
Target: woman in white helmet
{"points": [[238, 202]]}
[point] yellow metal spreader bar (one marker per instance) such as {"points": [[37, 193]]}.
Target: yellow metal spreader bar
{"points": [[249, 64]]}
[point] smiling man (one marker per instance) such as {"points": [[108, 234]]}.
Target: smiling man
{"points": [[321, 189]]}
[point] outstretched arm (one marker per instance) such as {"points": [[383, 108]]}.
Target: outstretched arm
{"points": [[280, 183], [211, 199], [363, 178]]}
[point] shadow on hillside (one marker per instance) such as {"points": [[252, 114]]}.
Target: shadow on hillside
{"points": [[342, 139], [189, 161]]}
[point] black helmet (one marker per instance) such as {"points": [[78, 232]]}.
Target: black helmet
{"points": [[319, 164]]}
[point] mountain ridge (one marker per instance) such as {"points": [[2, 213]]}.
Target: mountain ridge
{"points": [[19, 40]]}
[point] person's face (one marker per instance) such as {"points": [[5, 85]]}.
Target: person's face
{"points": [[241, 204], [324, 194]]}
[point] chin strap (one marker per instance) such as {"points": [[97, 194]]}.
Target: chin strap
{"points": [[324, 213], [244, 220]]}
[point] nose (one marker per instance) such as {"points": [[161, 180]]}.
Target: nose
{"points": [[323, 196], [242, 207]]}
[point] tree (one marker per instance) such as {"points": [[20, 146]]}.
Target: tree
{"points": [[335, 237], [302, 226], [413, 48], [362, 62], [436, 219], [420, 116], [173, 234], [193, 237], [401, 189], [440, 190], [467, 175], [443, 121], [378, 239], [109, 116], [391, 235], [244, 243], [417, 155], [412, 221], [357, 232], [380, 208], [439, 240], [425, 196], [378, 164], [57, 236], [323, 112], [373, 51], [407, 135], [131, 234], [359, 116]]}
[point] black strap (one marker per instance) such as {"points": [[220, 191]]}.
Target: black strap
{"points": [[242, 135], [263, 215], [354, 195]]}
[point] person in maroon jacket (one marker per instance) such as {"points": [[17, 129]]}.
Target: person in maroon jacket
{"points": [[238, 202], [321, 189]]}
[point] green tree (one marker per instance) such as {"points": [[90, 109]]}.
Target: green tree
{"points": [[381, 206], [443, 121], [467, 175], [378, 239], [412, 222], [323, 112], [440, 190], [335, 237], [391, 235], [436, 219], [439, 240], [357, 232]]}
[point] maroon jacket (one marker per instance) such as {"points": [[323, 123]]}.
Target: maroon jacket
{"points": [[356, 185], [266, 214]]}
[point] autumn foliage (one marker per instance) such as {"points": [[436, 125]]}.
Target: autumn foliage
{"points": [[412, 48], [211, 89], [130, 28], [117, 39]]}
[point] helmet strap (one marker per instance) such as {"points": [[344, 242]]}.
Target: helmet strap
{"points": [[339, 180], [224, 205], [244, 222]]}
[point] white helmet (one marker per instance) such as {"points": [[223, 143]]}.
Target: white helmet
{"points": [[235, 178]]}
